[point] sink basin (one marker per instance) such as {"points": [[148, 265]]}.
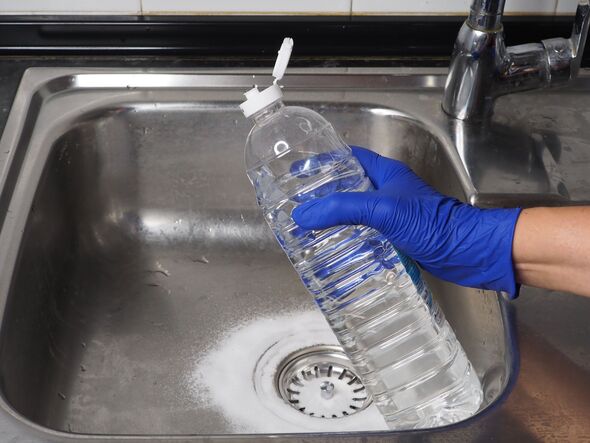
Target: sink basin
{"points": [[139, 283]]}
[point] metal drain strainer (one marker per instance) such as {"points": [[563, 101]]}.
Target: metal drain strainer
{"points": [[319, 382]]}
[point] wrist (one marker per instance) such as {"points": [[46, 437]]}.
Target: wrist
{"points": [[485, 237], [502, 223]]}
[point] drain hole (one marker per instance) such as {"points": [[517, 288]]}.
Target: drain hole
{"points": [[319, 381]]}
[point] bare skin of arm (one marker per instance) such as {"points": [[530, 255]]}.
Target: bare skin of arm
{"points": [[551, 249]]}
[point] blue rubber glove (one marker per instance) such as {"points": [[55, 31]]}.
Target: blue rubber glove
{"points": [[450, 239]]}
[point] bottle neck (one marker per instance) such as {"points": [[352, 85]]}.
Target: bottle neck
{"points": [[266, 113]]}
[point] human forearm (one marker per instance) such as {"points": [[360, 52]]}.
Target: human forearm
{"points": [[551, 249], [483, 248]]}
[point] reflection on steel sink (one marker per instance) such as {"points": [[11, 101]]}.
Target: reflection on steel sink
{"points": [[131, 241]]}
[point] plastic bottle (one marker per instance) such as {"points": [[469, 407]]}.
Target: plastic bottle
{"points": [[373, 297]]}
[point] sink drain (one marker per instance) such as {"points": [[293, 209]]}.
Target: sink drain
{"points": [[319, 382]]}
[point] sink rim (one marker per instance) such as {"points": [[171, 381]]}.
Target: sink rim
{"points": [[48, 84]]}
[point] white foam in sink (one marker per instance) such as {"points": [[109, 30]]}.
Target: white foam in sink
{"points": [[237, 377]]}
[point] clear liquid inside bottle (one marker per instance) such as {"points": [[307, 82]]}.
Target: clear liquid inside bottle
{"points": [[373, 297]]}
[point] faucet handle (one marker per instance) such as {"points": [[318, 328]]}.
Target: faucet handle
{"points": [[580, 33], [565, 54]]}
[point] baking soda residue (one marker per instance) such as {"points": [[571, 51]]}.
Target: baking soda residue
{"points": [[237, 377]]}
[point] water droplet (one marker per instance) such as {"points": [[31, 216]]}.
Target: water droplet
{"points": [[201, 259]]}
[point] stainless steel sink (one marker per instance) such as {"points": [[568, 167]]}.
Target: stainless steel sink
{"points": [[131, 244]]}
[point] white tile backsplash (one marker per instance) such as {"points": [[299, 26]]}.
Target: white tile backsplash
{"points": [[566, 6], [337, 7], [70, 7], [530, 6], [458, 7], [376, 7], [265, 7]]}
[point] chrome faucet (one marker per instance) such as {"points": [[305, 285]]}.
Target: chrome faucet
{"points": [[482, 67]]}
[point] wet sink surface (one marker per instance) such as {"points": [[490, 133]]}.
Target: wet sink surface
{"points": [[134, 247]]}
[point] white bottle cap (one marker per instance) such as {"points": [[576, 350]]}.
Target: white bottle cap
{"points": [[257, 100]]}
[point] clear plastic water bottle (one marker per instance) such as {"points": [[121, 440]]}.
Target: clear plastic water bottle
{"points": [[373, 297]]}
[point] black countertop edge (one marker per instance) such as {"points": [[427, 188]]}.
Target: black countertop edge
{"points": [[329, 37]]}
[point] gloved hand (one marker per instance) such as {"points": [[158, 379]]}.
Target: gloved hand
{"points": [[450, 239]]}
